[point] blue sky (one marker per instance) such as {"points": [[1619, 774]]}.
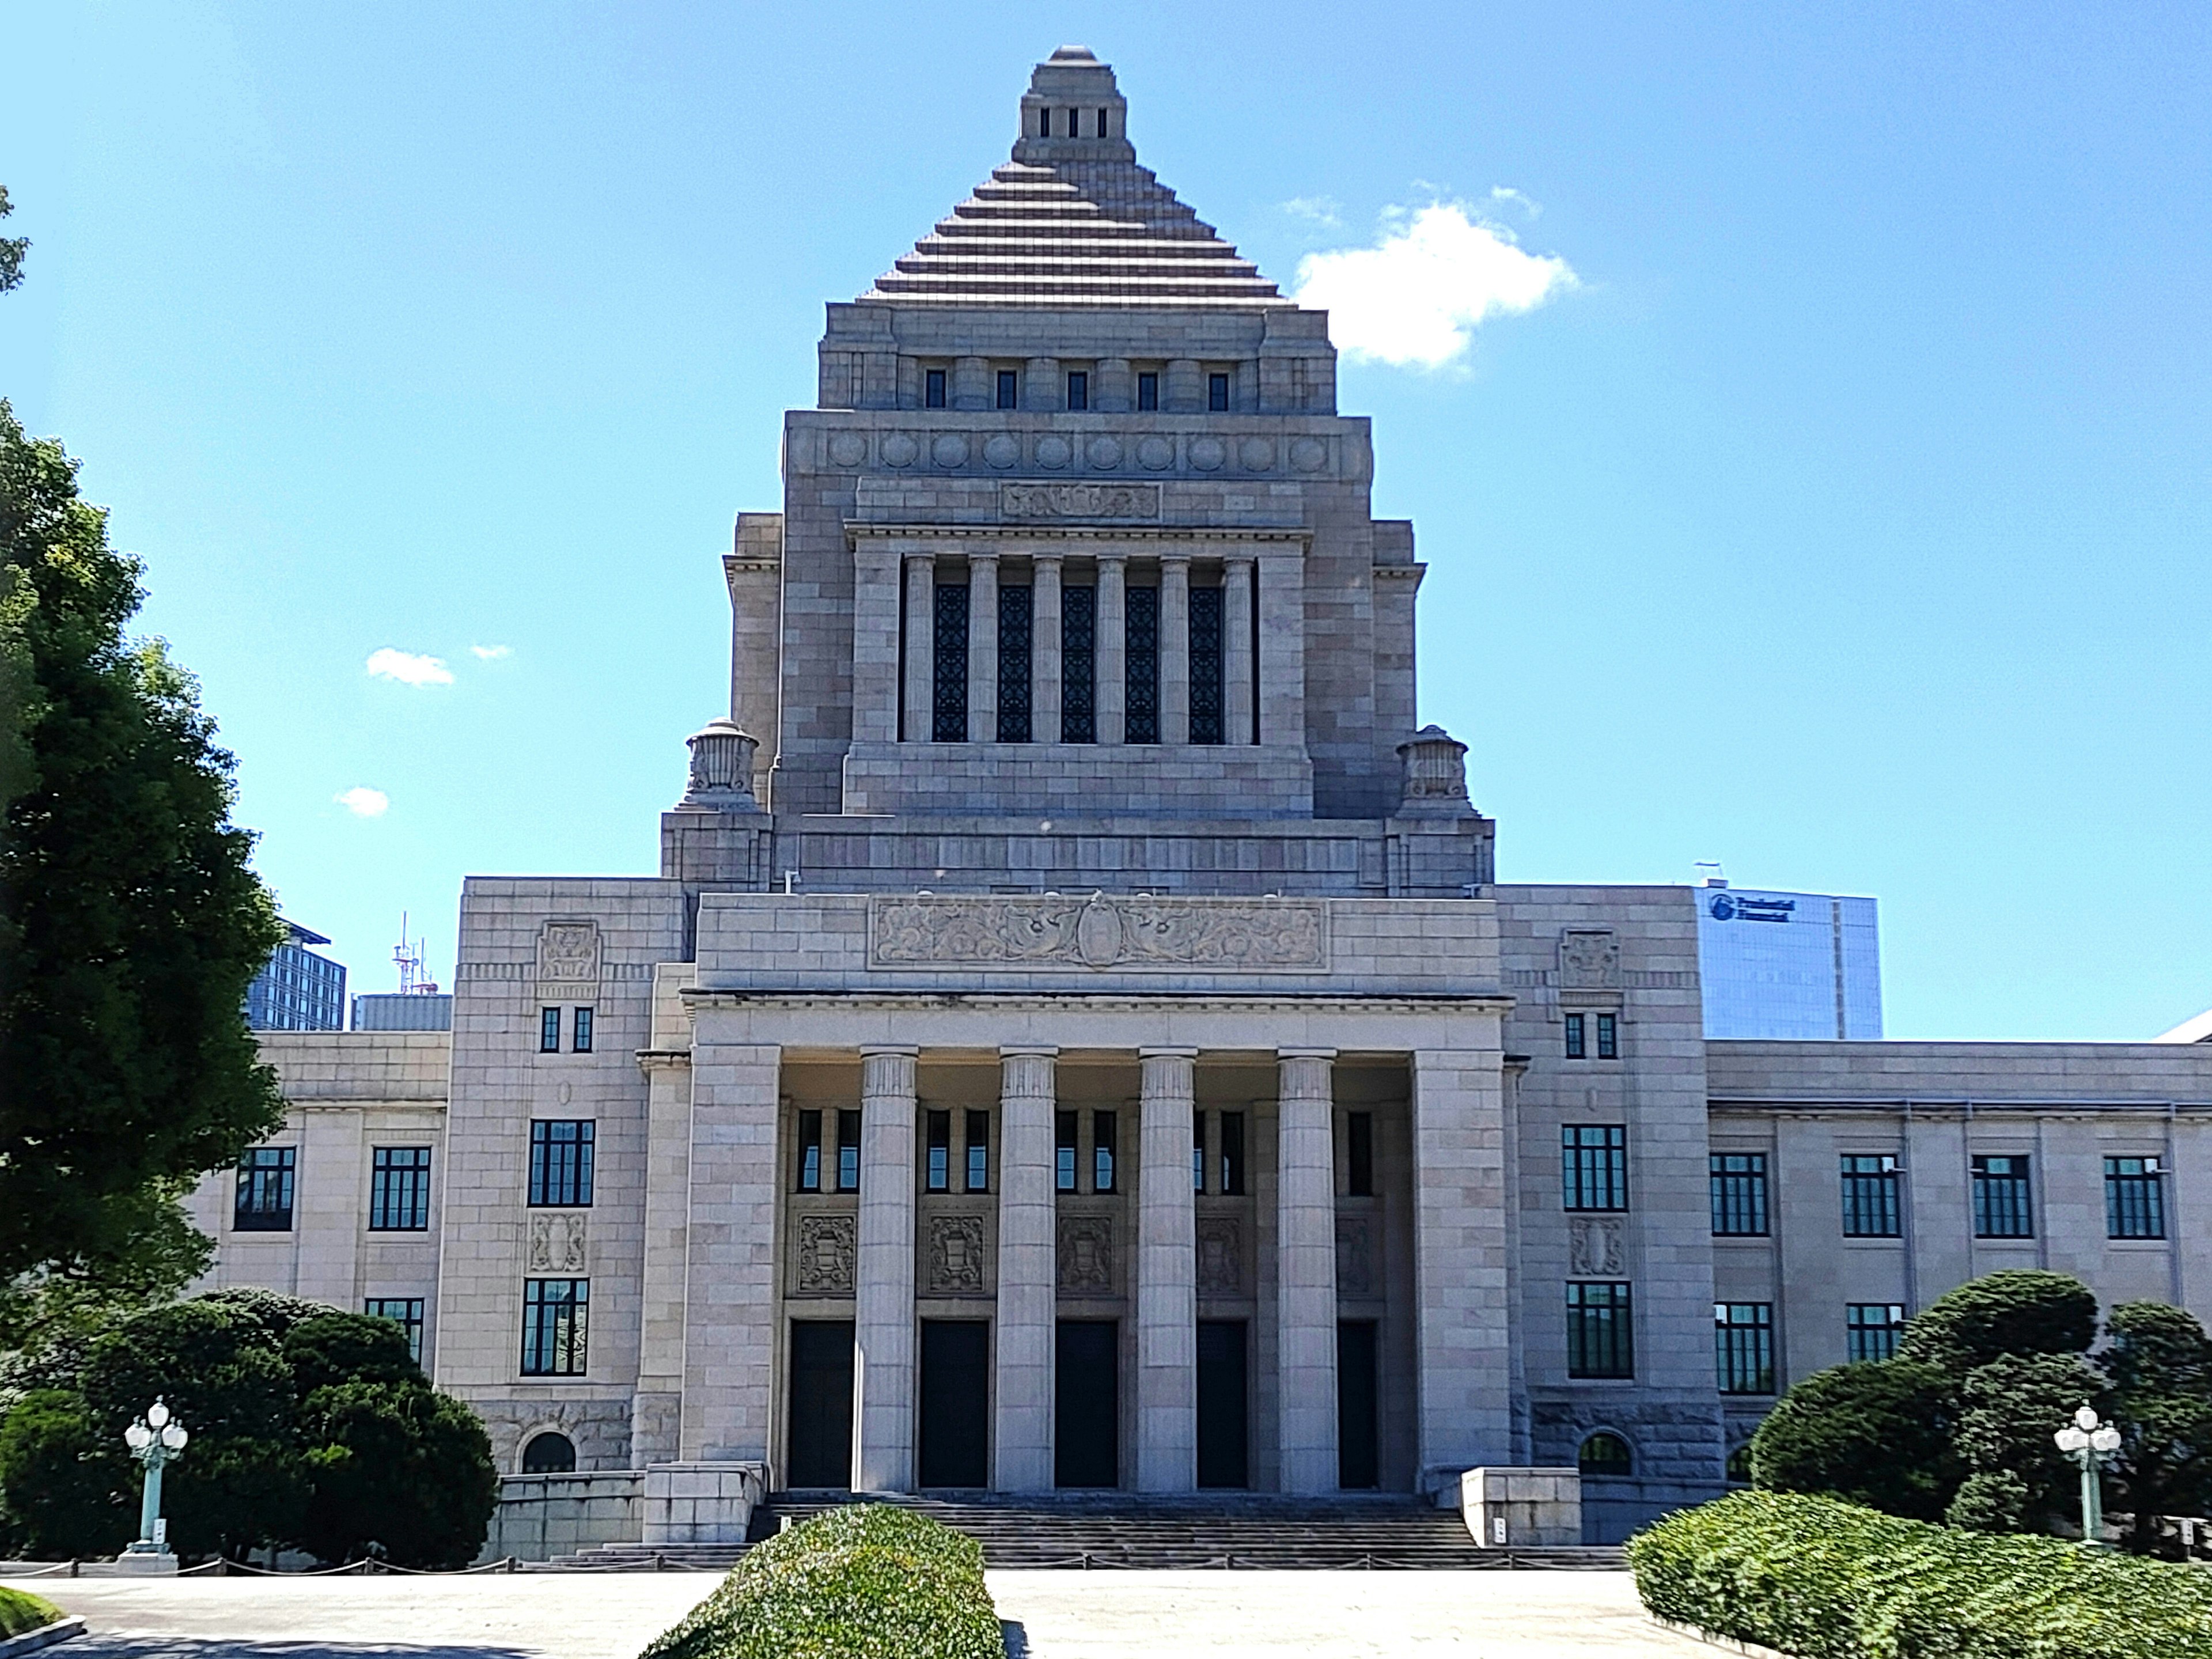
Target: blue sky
{"points": [[1845, 520]]}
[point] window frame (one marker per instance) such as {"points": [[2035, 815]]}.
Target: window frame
{"points": [[937, 1151], [1608, 1036], [1868, 1340], [806, 1174], [1600, 1331], [563, 1168], [975, 1149], [579, 1027], [1360, 1154], [2134, 1199], [2002, 1199], [1066, 1151], [1594, 1174], [848, 1150], [1148, 390], [1729, 1190], [549, 1031], [1875, 1195], [1230, 1151], [1078, 391], [1744, 1350], [1574, 1036], [399, 1193], [1006, 393], [553, 1346], [378, 1307], [1219, 394], [1105, 1152], [259, 1170], [932, 388], [1198, 1151]]}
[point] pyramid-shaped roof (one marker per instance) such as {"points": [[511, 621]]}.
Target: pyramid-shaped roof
{"points": [[1072, 220]]}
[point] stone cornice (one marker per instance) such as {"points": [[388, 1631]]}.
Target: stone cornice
{"points": [[952, 537], [1076, 1002], [664, 1060], [1945, 1110]]}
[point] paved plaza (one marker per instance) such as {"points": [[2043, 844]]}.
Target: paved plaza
{"points": [[1050, 1616]]}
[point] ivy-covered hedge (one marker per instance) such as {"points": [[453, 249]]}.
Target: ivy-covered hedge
{"points": [[21, 1612], [869, 1581], [1824, 1580]]}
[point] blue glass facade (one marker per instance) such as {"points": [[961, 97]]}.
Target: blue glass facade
{"points": [[298, 991], [1788, 964]]}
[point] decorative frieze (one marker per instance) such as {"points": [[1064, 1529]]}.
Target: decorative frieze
{"points": [[1595, 1247], [569, 963], [558, 1242], [1050, 931], [955, 1262], [827, 1245], [1355, 1256], [1086, 1255], [1589, 960], [1079, 500], [1220, 1255]]}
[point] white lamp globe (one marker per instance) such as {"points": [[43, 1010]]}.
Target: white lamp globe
{"points": [[2085, 1419], [138, 1437], [2106, 1439], [173, 1436], [158, 1413]]}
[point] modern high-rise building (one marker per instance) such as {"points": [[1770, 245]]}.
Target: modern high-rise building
{"points": [[298, 991], [1788, 965]]}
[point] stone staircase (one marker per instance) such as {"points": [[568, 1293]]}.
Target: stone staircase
{"points": [[1115, 1530]]}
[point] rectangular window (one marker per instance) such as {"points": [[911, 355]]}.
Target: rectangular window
{"points": [[1608, 1036], [849, 1152], [1063, 1162], [1738, 1183], [1141, 708], [1078, 631], [810, 1151], [1102, 1151], [1198, 1151], [549, 1031], [979, 1151], [1044, 124], [553, 1326], [1360, 1154], [1594, 1166], [1232, 1154], [1216, 393], [939, 1175], [2001, 1204], [1078, 389], [1743, 1346], [1013, 664], [949, 672], [1601, 1339], [561, 1164], [2134, 1202], [264, 1191], [582, 1043], [399, 1189], [1577, 1046], [1871, 1330], [1148, 390], [1102, 124], [1008, 386], [1206, 705], [1870, 1196], [933, 389], [404, 1311]]}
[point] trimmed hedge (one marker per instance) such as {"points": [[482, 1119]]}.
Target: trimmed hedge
{"points": [[1824, 1580], [867, 1582], [21, 1612]]}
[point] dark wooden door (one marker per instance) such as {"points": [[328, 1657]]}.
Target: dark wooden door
{"points": [[955, 1391], [1221, 1409], [1357, 1466], [1087, 1418], [821, 1450]]}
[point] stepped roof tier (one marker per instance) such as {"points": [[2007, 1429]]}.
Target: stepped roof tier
{"points": [[1072, 220]]}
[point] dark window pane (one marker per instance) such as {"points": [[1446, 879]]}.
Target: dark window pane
{"points": [[1079, 617], [1870, 1196], [1606, 1455], [1009, 382], [1063, 1131], [549, 1031], [2135, 1202], [1871, 1329], [1206, 664], [1743, 1346], [1739, 1195], [1198, 1151], [561, 1154], [1360, 1154], [1573, 1025], [810, 1151], [404, 1311], [399, 1189], [1594, 1166], [1148, 392], [1013, 664], [550, 1452], [933, 389], [937, 1176], [1079, 389], [1142, 707], [1216, 392], [1608, 1036], [2001, 1204], [949, 712], [1232, 1154], [1601, 1332], [1102, 1147], [849, 1152], [264, 1191], [553, 1326], [582, 1044], [979, 1151]]}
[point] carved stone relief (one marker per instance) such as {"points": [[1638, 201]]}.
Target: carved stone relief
{"points": [[1589, 960], [956, 1265], [1220, 1256], [1053, 931], [1595, 1247], [826, 1248], [1086, 1255], [558, 1242], [1355, 1256], [568, 962], [1078, 501]]}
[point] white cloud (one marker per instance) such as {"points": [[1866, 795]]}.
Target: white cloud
{"points": [[1526, 203], [491, 653], [364, 802], [1320, 209], [409, 668], [1416, 297]]}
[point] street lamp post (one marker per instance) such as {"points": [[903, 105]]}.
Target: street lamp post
{"points": [[2090, 1443], [156, 1439]]}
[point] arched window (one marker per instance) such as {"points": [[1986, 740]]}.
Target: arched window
{"points": [[1738, 1464], [548, 1454], [1606, 1455]]}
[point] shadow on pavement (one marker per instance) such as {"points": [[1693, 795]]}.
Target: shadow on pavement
{"points": [[123, 1646], [1015, 1638]]}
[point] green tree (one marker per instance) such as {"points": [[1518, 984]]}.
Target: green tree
{"points": [[130, 922], [66, 1488], [2019, 1311], [2159, 1367], [2009, 1409], [398, 1472], [12, 248], [1874, 1433], [333, 1348]]}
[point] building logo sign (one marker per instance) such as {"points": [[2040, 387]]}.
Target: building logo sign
{"points": [[1749, 907]]}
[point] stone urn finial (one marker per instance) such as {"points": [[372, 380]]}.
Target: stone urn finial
{"points": [[1435, 776], [721, 769]]}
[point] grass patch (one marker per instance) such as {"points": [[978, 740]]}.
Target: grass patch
{"points": [[1824, 1580], [867, 1582], [21, 1612]]}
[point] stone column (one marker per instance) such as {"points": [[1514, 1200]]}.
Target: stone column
{"points": [[921, 646], [1115, 390], [971, 383], [1282, 648], [1185, 391], [1044, 648], [875, 645], [1167, 1277], [883, 1299], [1110, 651], [729, 1292], [1235, 649], [983, 648], [1028, 1288], [1175, 648], [1305, 1270], [1041, 386]]}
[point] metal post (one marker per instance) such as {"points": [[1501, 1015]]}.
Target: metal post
{"points": [[149, 1501]]}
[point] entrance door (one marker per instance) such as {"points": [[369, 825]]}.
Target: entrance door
{"points": [[955, 1360], [1086, 1417], [1357, 1466], [821, 1450], [1221, 1425]]}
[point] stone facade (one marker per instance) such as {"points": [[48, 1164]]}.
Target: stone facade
{"points": [[1077, 1037]]}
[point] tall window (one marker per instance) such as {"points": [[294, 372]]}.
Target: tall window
{"points": [[1198, 1151], [1738, 1183], [1142, 705], [2134, 1202], [1870, 1196], [1063, 1161], [264, 1191], [949, 680], [1078, 389], [549, 1031], [553, 1320], [1009, 388], [849, 1152], [1013, 664], [561, 1164], [1232, 1154], [937, 1176], [1594, 1166], [1078, 631], [1871, 1329], [1216, 393], [810, 1151], [933, 389], [581, 1042], [2003, 1208], [1601, 1340], [1148, 390], [404, 1311], [1576, 1029], [1360, 1154], [399, 1189], [1743, 1346], [1606, 1457], [1608, 1036], [1206, 703], [979, 1151], [1102, 1151]]}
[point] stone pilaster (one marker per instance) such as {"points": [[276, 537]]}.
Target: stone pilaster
{"points": [[921, 646], [1282, 648], [971, 383], [1111, 649], [1041, 386], [1167, 1277], [1185, 391], [1028, 1303], [1175, 648], [1236, 650], [1305, 1271], [1044, 648], [729, 1270], [883, 1302], [983, 648], [875, 646]]}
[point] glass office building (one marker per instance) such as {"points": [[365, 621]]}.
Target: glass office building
{"points": [[298, 991], [1788, 964]]}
